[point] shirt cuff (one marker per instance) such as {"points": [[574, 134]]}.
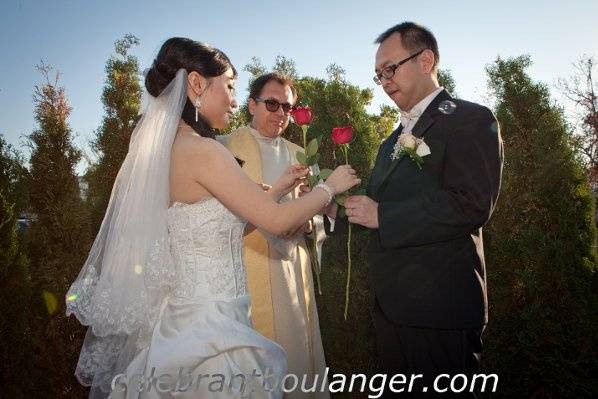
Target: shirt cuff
{"points": [[332, 222]]}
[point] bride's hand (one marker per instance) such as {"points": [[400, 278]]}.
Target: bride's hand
{"points": [[342, 179], [291, 178]]}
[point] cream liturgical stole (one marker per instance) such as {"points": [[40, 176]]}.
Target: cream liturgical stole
{"points": [[245, 144]]}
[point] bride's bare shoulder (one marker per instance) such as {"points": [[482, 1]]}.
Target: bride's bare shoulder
{"points": [[188, 144]]}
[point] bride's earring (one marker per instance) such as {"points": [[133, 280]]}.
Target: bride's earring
{"points": [[197, 104]]}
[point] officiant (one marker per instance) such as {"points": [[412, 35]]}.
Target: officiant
{"points": [[279, 273]]}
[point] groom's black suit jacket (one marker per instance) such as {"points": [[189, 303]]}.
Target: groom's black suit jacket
{"points": [[427, 257]]}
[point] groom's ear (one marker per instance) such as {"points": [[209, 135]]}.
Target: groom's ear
{"points": [[427, 61]]}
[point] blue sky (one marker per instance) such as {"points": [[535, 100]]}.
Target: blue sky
{"points": [[77, 37]]}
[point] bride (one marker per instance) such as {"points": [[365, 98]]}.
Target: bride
{"points": [[164, 290]]}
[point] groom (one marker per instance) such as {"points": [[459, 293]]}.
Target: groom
{"points": [[426, 250]]}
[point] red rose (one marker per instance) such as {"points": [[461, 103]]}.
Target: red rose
{"points": [[302, 115], [342, 135]]}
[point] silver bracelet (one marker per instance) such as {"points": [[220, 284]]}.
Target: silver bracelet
{"points": [[328, 190]]}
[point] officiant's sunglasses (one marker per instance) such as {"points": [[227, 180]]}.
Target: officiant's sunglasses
{"points": [[389, 71], [272, 105]]}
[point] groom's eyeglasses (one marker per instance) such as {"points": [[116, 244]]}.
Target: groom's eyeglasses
{"points": [[272, 105], [389, 71]]}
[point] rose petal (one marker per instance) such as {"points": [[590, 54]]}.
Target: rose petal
{"points": [[342, 135], [407, 140], [423, 150]]}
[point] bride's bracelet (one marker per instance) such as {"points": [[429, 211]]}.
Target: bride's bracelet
{"points": [[328, 190]]}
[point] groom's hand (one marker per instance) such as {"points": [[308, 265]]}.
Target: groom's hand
{"points": [[363, 210]]}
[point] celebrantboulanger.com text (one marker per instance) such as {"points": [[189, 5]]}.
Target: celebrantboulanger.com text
{"points": [[265, 381]]}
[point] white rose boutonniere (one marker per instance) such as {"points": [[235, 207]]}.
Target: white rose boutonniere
{"points": [[414, 147]]}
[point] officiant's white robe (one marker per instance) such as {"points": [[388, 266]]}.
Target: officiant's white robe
{"points": [[279, 273]]}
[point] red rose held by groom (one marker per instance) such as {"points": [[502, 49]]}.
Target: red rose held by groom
{"points": [[342, 135]]}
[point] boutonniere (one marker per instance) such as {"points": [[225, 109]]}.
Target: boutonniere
{"points": [[414, 147]]}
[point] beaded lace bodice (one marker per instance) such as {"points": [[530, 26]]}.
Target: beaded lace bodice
{"points": [[206, 241]]}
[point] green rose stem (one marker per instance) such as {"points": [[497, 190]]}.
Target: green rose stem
{"points": [[346, 152], [304, 130], [314, 250]]}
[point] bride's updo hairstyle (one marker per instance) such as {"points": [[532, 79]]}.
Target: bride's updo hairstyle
{"points": [[180, 52]]}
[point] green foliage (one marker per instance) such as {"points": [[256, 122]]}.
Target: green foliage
{"points": [[255, 68], [13, 177], [301, 158], [312, 147], [335, 72], [121, 97], [282, 64], [446, 80], [15, 344], [240, 118], [541, 337], [59, 241], [285, 66], [349, 345]]}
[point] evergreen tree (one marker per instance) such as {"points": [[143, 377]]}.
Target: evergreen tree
{"points": [[15, 345], [286, 66], [255, 68], [446, 80], [541, 338], [59, 240], [13, 177], [121, 98]]}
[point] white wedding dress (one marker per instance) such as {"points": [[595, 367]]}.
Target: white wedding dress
{"points": [[204, 326]]}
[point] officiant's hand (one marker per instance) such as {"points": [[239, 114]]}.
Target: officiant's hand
{"points": [[291, 178], [363, 210]]}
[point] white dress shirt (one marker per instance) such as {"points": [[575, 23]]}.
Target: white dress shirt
{"points": [[410, 118]]}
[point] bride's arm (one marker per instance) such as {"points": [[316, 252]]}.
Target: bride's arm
{"points": [[215, 169], [249, 228], [275, 195]]}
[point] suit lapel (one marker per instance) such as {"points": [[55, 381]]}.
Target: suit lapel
{"points": [[429, 116], [383, 163], [424, 123]]}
